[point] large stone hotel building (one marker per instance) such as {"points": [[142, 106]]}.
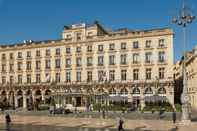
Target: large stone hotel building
{"points": [[89, 65]]}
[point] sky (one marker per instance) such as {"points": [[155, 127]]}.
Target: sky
{"points": [[44, 19]]}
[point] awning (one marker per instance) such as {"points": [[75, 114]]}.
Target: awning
{"points": [[118, 98], [155, 98]]}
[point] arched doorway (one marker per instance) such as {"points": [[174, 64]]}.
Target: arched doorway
{"points": [[136, 97], [38, 98], [29, 99], [19, 98], [48, 98]]}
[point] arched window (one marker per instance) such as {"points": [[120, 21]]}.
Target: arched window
{"points": [[124, 91], [47, 92], [112, 91], [101, 91], [136, 90], [162, 90], [19, 93], [38, 93], [148, 90]]}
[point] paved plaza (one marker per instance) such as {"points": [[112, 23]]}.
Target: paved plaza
{"points": [[60, 123]]}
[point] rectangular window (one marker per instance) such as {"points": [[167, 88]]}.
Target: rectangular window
{"points": [[11, 56], [38, 53], [20, 55], [161, 43], [28, 54], [78, 61], [89, 61], [28, 65], [3, 80], [57, 51], [89, 76], [135, 44], [161, 56], [68, 51], [20, 79], [161, 73], [101, 76], [112, 60], [135, 58], [11, 67], [78, 36], [136, 74], [100, 60], [78, 76], [148, 57], [38, 65], [57, 77], [57, 63], [37, 78], [3, 66], [19, 65], [28, 78], [123, 59], [48, 52], [78, 50], [3, 56], [148, 44], [100, 48], [48, 77], [111, 75], [47, 64], [11, 79], [112, 46], [123, 46], [89, 48], [148, 74], [68, 76], [123, 75], [68, 63]]}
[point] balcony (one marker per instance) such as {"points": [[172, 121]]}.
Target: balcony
{"points": [[148, 63], [136, 63]]}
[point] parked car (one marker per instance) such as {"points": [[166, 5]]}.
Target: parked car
{"points": [[61, 110]]}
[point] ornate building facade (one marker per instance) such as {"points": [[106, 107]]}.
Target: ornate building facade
{"points": [[191, 64], [89, 65]]}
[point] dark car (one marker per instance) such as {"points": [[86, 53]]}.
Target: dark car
{"points": [[61, 111]]}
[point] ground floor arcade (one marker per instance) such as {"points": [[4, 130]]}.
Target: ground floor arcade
{"points": [[81, 95]]}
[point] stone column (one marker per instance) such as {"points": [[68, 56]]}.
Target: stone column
{"points": [[15, 101], [42, 96], [24, 100]]}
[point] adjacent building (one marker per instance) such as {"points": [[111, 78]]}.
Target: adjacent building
{"points": [[89, 65]]}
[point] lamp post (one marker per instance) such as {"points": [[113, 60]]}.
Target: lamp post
{"points": [[184, 19]]}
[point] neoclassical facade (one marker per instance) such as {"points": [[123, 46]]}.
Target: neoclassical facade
{"points": [[89, 65]]}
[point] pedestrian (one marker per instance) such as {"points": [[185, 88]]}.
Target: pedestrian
{"points": [[8, 121], [174, 116], [103, 112], [120, 126]]}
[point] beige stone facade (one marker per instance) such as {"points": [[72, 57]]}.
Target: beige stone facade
{"points": [[191, 64], [89, 65]]}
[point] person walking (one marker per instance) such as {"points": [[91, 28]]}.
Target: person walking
{"points": [[120, 126], [174, 116], [8, 121]]}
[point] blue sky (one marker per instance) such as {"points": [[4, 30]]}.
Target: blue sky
{"points": [[44, 19]]}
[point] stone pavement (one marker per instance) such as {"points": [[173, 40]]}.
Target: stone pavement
{"points": [[88, 122]]}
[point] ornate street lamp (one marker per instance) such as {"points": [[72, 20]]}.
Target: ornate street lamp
{"points": [[185, 18]]}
